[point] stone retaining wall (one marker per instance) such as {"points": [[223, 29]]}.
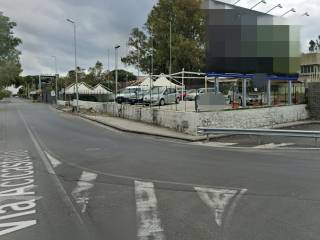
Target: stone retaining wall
{"points": [[188, 122]]}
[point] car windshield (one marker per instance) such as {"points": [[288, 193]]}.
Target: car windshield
{"points": [[128, 90], [192, 91], [157, 90], [124, 91]]}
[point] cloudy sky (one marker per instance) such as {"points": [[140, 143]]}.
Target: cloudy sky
{"points": [[103, 23]]}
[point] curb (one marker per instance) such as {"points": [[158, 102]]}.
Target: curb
{"points": [[188, 139], [262, 149], [141, 133]]}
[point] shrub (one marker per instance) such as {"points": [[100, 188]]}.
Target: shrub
{"points": [[4, 94]]}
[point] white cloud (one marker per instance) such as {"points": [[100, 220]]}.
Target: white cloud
{"points": [[102, 24]]}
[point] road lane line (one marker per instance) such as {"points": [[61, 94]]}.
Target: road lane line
{"points": [[81, 192], [147, 179], [217, 200], [149, 223], [55, 162], [273, 145], [50, 170], [215, 144]]}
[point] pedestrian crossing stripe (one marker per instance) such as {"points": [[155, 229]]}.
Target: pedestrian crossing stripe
{"points": [[221, 201], [149, 223]]}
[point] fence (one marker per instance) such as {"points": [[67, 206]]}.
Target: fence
{"points": [[174, 99]]}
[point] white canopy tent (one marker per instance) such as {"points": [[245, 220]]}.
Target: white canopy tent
{"points": [[13, 89], [100, 89], [162, 81], [83, 88], [146, 82]]}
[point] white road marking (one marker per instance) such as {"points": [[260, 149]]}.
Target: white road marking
{"points": [[217, 200], [149, 223], [81, 192], [215, 144], [50, 170], [273, 145], [15, 226], [55, 162], [17, 195], [92, 149]]}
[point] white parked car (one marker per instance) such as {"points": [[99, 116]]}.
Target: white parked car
{"points": [[125, 95], [161, 96], [193, 93]]}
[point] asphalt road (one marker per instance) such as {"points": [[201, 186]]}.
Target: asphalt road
{"points": [[269, 142], [63, 177]]}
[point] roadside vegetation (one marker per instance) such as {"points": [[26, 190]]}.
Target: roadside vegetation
{"points": [[10, 67], [187, 22], [4, 94]]}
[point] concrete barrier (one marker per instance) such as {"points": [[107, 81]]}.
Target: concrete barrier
{"points": [[62, 103], [188, 122], [96, 106]]}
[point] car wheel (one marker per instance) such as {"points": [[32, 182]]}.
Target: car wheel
{"points": [[177, 100], [162, 102]]}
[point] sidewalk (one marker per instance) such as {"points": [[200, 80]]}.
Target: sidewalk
{"points": [[153, 130], [141, 128]]}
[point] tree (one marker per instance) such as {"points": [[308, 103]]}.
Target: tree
{"points": [[10, 67], [140, 49], [95, 74], [317, 47], [312, 46], [187, 20]]}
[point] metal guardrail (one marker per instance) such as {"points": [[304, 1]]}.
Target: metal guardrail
{"points": [[261, 132]]}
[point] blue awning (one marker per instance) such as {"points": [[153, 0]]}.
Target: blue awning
{"points": [[251, 76]]}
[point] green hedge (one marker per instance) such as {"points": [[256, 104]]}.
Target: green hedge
{"points": [[4, 94]]}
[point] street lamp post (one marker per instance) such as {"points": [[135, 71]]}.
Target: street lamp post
{"points": [[262, 1], [236, 2], [116, 71], [75, 60], [277, 6], [56, 78], [306, 14], [291, 10]]}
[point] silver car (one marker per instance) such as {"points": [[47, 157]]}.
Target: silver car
{"points": [[192, 94], [161, 96]]}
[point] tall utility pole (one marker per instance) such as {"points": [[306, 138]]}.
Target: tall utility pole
{"points": [[170, 66], [138, 63], [116, 70], [108, 63], [152, 57], [75, 59], [56, 78]]}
